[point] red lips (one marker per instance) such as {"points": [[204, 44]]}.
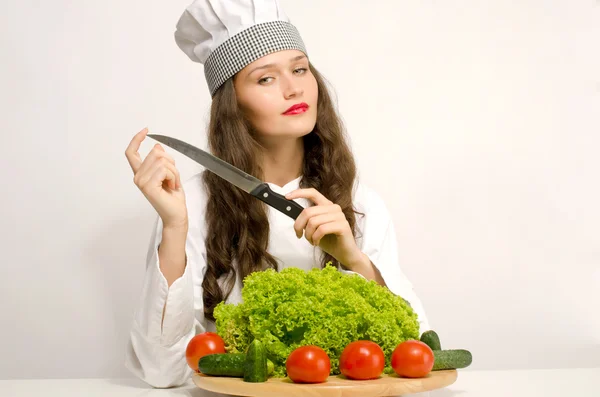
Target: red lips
{"points": [[296, 109]]}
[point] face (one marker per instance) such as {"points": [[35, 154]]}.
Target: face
{"points": [[278, 94]]}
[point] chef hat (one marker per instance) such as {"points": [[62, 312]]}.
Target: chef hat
{"points": [[227, 35]]}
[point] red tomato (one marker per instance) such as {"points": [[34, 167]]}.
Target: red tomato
{"points": [[412, 359], [362, 360], [201, 345], [308, 364]]}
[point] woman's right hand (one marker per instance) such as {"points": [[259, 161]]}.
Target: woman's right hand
{"points": [[159, 181]]}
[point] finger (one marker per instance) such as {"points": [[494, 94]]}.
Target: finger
{"points": [[175, 183], [170, 164], [133, 157], [311, 193], [305, 215], [323, 230], [160, 176], [155, 155], [316, 222], [177, 175], [148, 174]]}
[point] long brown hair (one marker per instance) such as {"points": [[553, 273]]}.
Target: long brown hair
{"points": [[237, 223]]}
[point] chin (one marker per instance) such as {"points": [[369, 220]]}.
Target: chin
{"points": [[288, 133], [301, 129], [291, 129], [300, 126]]}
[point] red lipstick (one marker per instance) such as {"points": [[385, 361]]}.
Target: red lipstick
{"points": [[296, 109]]}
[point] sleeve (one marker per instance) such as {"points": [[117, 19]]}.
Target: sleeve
{"points": [[156, 348], [378, 242]]}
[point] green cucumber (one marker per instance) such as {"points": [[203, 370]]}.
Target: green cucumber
{"points": [[223, 364], [451, 359], [255, 366], [227, 364], [431, 339]]}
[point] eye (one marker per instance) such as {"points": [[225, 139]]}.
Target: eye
{"points": [[265, 80], [300, 70]]}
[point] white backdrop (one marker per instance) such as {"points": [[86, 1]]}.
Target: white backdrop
{"points": [[478, 123]]}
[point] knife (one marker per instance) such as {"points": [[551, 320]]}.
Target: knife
{"points": [[233, 175]]}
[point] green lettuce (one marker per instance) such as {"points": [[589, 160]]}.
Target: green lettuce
{"points": [[322, 307]]}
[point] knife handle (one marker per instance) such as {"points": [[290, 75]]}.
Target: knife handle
{"points": [[289, 207]]}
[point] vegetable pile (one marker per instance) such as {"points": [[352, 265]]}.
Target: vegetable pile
{"points": [[310, 325], [322, 307]]}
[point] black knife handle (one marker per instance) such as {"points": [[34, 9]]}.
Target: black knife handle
{"points": [[289, 207]]}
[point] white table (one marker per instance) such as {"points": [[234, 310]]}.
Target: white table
{"points": [[524, 383]]}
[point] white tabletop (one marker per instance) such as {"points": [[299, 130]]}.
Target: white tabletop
{"points": [[517, 383]]}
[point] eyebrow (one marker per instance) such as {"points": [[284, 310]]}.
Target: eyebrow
{"points": [[270, 65]]}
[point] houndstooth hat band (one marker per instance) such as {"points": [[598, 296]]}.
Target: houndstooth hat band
{"points": [[248, 46]]}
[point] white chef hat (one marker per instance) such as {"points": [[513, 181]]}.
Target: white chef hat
{"points": [[227, 35]]}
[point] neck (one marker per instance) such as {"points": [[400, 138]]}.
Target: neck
{"points": [[283, 161]]}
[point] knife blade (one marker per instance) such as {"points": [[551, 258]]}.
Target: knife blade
{"points": [[233, 175]]}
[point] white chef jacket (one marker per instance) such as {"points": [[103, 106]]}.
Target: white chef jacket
{"points": [[156, 354]]}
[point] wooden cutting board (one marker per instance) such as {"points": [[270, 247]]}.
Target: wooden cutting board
{"points": [[335, 386]]}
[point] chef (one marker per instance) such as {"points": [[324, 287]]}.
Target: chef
{"points": [[271, 116]]}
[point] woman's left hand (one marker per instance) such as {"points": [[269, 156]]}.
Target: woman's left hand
{"points": [[326, 226]]}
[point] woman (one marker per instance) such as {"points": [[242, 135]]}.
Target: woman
{"points": [[272, 117]]}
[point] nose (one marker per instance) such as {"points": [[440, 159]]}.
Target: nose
{"points": [[292, 88]]}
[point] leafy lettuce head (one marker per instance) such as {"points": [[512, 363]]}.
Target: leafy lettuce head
{"points": [[322, 307]]}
